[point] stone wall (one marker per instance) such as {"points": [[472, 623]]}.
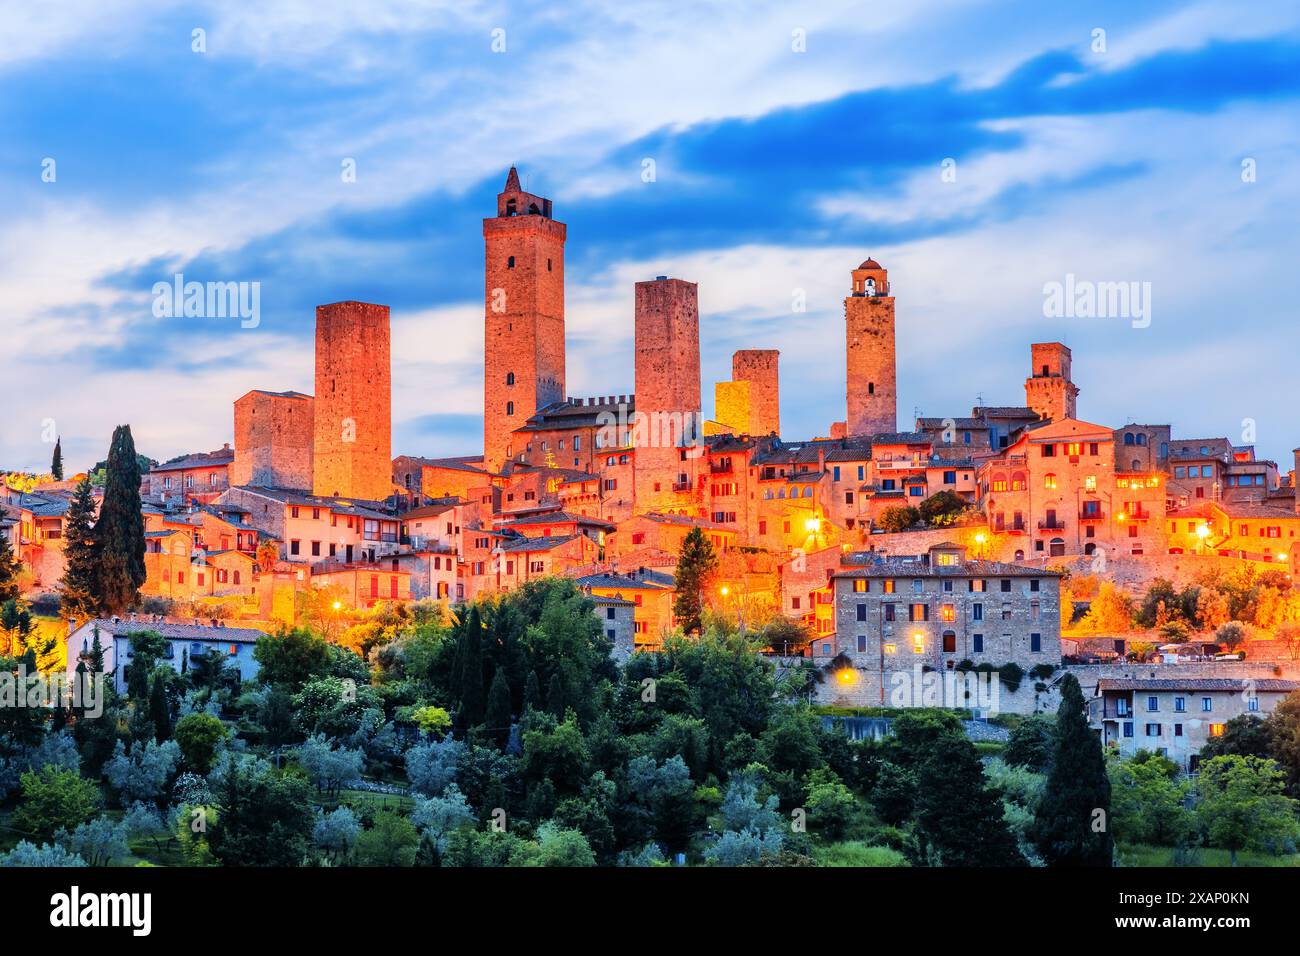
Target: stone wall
{"points": [[274, 440]]}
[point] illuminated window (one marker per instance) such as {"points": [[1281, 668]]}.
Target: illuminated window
{"points": [[1216, 730], [1090, 483], [860, 585], [1049, 481], [1074, 448], [890, 649], [948, 612], [918, 643], [946, 560], [889, 587]]}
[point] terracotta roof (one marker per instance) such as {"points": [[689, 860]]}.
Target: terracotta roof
{"points": [[176, 632], [1236, 685]]}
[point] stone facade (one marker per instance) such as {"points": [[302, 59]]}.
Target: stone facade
{"points": [[618, 624], [1049, 390], [872, 370], [668, 422], [523, 359], [896, 618], [274, 440], [353, 449], [750, 403]]}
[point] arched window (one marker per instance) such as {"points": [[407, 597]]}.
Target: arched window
{"points": [[510, 378], [510, 408], [511, 208], [1020, 554], [1049, 481], [1137, 465], [1128, 438]]}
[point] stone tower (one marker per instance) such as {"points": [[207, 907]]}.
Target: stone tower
{"points": [[758, 367], [523, 366], [1048, 390], [872, 365], [353, 415], [667, 427], [274, 439]]}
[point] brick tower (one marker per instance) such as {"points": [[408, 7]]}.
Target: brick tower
{"points": [[758, 367], [353, 415], [1048, 390], [872, 365], [523, 355], [668, 421], [274, 439]]}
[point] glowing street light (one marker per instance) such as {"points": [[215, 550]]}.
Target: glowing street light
{"points": [[813, 525]]}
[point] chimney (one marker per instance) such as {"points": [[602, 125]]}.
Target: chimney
{"points": [[72, 625]]}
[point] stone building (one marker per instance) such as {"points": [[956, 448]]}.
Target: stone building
{"points": [[200, 477], [667, 432], [353, 448], [275, 438], [1049, 390], [617, 618], [899, 618], [872, 373], [234, 644], [1176, 716], [1055, 491], [523, 359]]}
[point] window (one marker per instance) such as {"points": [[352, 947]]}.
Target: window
{"points": [[950, 477], [949, 642], [918, 612], [978, 585], [295, 546], [1207, 705], [1036, 643], [1049, 451], [1180, 705], [510, 408], [918, 643], [948, 612], [1153, 730], [1006, 585], [977, 643], [1128, 728], [889, 611], [1153, 703], [1216, 730], [510, 378], [889, 586], [862, 643], [1049, 481], [1252, 703], [917, 585], [1033, 584], [510, 263], [862, 612], [861, 585], [977, 612]]}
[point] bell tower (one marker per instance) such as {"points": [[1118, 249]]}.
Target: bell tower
{"points": [[523, 366], [869, 343]]}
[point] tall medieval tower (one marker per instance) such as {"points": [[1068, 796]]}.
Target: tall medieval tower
{"points": [[668, 426], [523, 367], [872, 365], [353, 447], [1049, 390]]}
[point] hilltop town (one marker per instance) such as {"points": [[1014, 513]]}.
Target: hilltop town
{"points": [[857, 536]]}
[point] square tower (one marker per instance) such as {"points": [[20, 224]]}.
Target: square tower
{"points": [[274, 440], [667, 427], [1048, 390], [354, 397], [758, 367], [872, 364], [523, 355]]}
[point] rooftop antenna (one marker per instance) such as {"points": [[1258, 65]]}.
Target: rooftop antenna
{"points": [[979, 400]]}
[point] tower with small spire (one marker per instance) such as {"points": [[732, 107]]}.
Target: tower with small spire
{"points": [[871, 373], [523, 368]]}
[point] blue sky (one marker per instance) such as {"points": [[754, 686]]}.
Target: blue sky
{"points": [[777, 170]]}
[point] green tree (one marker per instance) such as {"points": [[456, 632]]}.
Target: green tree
{"points": [[1245, 735], [292, 657], [264, 817], [55, 798], [199, 735], [392, 841], [497, 716], [697, 565], [119, 532], [1030, 744], [470, 664], [159, 707], [898, 518], [1072, 826], [56, 463], [78, 587], [10, 569], [1283, 726], [942, 508], [1148, 802], [555, 699], [958, 815], [1243, 805]]}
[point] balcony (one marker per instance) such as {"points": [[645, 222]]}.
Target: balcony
{"points": [[1092, 515], [681, 486], [1051, 524], [719, 468]]}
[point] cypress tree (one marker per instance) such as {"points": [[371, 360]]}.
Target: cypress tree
{"points": [[159, 710], [77, 589], [471, 675], [497, 718], [119, 532], [10, 567], [532, 691], [56, 464], [958, 814], [555, 701], [696, 567], [1073, 825]]}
